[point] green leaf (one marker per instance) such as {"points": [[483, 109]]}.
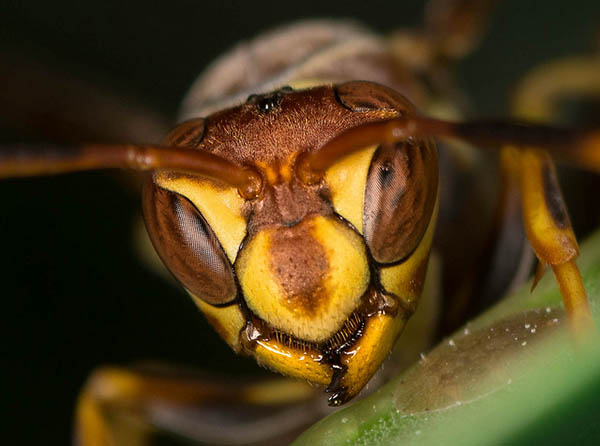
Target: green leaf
{"points": [[511, 376]]}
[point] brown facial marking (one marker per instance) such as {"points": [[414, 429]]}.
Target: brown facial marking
{"points": [[287, 203], [399, 199], [553, 197], [300, 265], [187, 134], [188, 246]]}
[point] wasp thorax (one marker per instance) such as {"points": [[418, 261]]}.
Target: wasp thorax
{"points": [[304, 280]]}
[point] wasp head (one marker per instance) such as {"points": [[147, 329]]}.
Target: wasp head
{"points": [[314, 279]]}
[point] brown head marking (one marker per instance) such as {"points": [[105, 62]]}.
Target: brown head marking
{"points": [[301, 265]]}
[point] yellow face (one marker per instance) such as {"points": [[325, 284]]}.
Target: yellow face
{"points": [[304, 277]]}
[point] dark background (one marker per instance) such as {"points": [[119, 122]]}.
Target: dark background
{"points": [[73, 293]]}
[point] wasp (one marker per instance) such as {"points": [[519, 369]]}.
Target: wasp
{"points": [[297, 205]]}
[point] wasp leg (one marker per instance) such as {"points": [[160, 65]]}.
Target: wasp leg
{"points": [[456, 27], [452, 29], [546, 219], [538, 94], [131, 406], [550, 233]]}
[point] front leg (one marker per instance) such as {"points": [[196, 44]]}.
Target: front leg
{"points": [[129, 406]]}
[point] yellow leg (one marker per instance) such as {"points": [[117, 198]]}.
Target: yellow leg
{"points": [[538, 95], [107, 394], [91, 426], [549, 230], [575, 299], [547, 224], [126, 406]]}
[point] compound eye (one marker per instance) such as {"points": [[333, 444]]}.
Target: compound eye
{"points": [[188, 246], [401, 184], [187, 134], [363, 96], [399, 198]]}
